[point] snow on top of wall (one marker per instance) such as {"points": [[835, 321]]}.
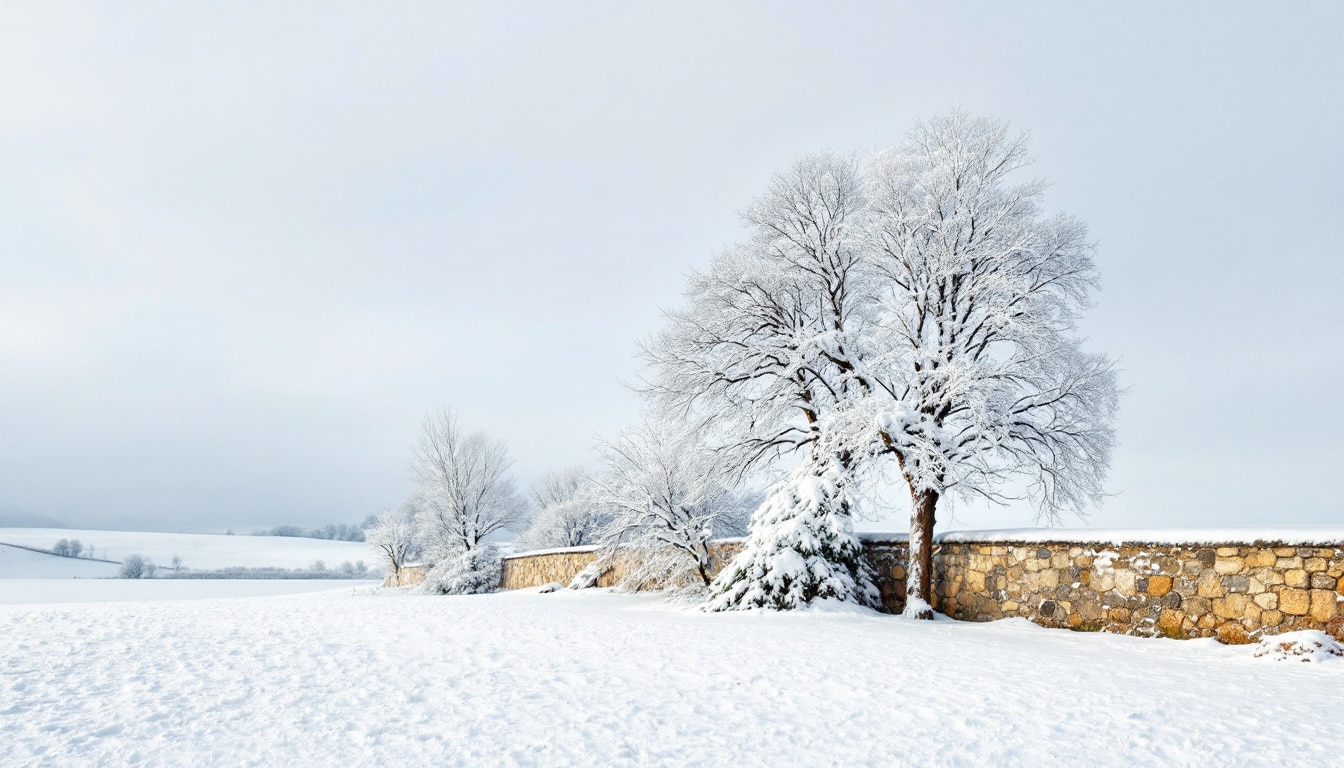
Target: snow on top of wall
{"points": [[1295, 536], [1304, 535], [555, 551]]}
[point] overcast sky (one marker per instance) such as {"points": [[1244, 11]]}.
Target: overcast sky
{"points": [[243, 249]]}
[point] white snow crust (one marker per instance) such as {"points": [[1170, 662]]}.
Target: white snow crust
{"points": [[38, 590], [1292, 536], [350, 677], [199, 551]]}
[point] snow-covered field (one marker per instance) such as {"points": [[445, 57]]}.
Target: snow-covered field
{"points": [[199, 551], [85, 590], [349, 677], [16, 563]]}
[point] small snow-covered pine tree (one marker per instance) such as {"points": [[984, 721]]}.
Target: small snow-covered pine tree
{"points": [[801, 547]]}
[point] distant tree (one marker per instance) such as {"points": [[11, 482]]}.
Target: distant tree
{"points": [[150, 569], [566, 515], [665, 494], [61, 548], [177, 563], [133, 567], [393, 536], [76, 548], [465, 491], [317, 566]]}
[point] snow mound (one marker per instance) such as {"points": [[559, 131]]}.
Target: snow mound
{"points": [[1303, 645]]}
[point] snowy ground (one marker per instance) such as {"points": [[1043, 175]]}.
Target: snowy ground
{"points": [[16, 563], [348, 677], [49, 590], [199, 551]]}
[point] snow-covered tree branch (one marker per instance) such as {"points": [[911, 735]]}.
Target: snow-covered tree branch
{"points": [[566, 513], [465, 493], [666, 497]]}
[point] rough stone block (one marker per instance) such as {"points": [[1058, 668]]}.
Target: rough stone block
{"points": [[1237, 583], [1322, 581], [1226, 565], [1159, 585], [1059, 560], [1197, 606], [1230, 607], [1285, 551], [1270, 576], [1295, 601], [1125, 583], [1169, 622], [1270, 618], [1228, 551], [1254, 586], [1314, 565], [1267, 600], [1323, 606], [1260, 558], [1233, 634], [1288, 563], [1296, 578], [1210, 585], [1120, 615]]}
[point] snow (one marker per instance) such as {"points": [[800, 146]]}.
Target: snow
{"points": [[23, 563], [1291, 536], [553, 551], [353, 677], [49, 590], [199, 551]]}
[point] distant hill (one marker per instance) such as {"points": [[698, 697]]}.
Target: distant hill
{"points": [[199, 551]]}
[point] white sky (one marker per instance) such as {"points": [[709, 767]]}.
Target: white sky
{"points": [[244, 249]]}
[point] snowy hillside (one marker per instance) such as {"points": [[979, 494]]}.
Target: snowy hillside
{"points": [[199, 551], [18, 563], [593, 678]]}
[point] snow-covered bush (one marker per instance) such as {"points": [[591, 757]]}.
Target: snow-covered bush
{"points": [[473, 572], [133, 567], [801, 547]]}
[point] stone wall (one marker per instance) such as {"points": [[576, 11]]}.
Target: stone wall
{"points": [[1232, 591]]}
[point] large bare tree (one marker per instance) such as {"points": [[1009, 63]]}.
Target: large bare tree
{"points": [[978, 369], [465, 490], [763, 353], [924, 310]]}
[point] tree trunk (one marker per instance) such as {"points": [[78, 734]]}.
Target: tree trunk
{"points": [[919, 567]]}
